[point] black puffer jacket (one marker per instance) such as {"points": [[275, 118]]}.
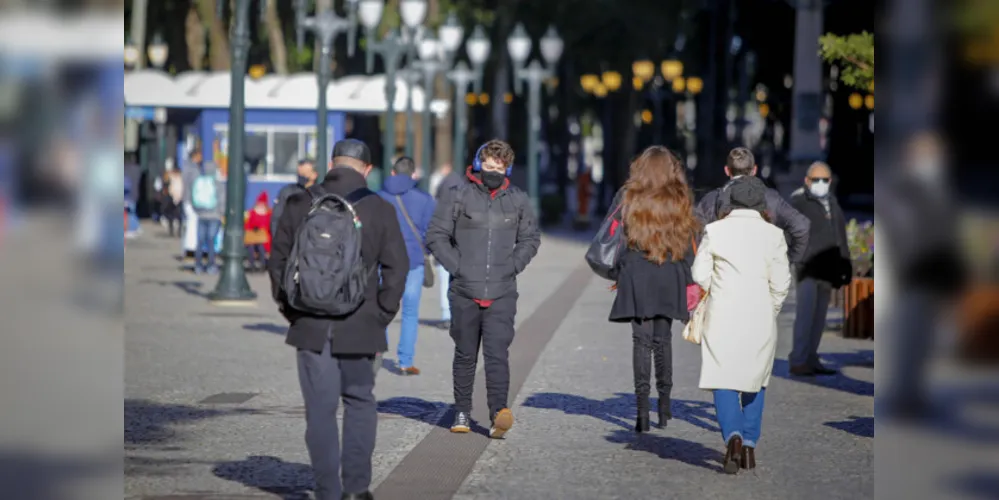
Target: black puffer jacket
{"points": [[785, 216], [484, 239]]}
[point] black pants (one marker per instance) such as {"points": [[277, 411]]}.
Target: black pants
{"points": [[256, 257], [325, 379], [472, 324], [652, 340]]}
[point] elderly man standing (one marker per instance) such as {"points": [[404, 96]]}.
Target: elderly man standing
{"points": [[826, 266]]}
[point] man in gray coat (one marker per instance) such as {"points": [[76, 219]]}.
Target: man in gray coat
{"points": [[206, 194], [741, 163]]}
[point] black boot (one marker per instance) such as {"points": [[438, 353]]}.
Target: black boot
{"points": [[665, 413], [662, 354], [642, 363]]}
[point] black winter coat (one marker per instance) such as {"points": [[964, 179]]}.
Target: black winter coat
{"points": [[363, 331], [828, 255], [484, 239], [793, 223], [647, 290]]}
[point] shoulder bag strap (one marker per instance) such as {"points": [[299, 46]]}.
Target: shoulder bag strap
{"points": [[409, 221]]}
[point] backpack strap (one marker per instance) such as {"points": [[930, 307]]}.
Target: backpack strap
{"points": [[458, 203]]}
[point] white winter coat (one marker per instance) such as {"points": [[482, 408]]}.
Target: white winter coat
{"points": [[742, 264]]}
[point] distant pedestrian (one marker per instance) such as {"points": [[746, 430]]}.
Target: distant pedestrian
{"points": [[307, 177], [414, 209], [206, 194], [825, 267], [484, 233], [336, 349], [257, 233], [173, 199], [741, 165], [447, 179], [742, 265], [656, 209]]}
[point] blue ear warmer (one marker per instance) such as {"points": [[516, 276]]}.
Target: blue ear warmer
{"points": [[477, 162]]}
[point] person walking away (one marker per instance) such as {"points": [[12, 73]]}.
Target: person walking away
{"points": [[206, 193], [449, 178], [414, 209], [307, 177], [741, 165], [173, 200], [484, 232], [742, 265], [257, 233], [657, 210], [826, 266], [335, 349]]}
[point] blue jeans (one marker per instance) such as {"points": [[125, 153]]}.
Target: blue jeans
{"points": [[740, 413], [410, 317], [445, 280], [207, 231]]}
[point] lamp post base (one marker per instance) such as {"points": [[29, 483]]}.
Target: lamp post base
{"points": [[232, 288]]}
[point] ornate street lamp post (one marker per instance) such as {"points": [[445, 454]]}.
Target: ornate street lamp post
{"points": [[430, 64], [477, 48], [392, 49], [460, 76], [326, 26], [534, 74], [232, 285]]}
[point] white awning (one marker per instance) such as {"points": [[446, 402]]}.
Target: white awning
{"points": [[357, 94]]}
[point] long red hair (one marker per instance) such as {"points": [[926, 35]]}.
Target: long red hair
{"points": [[658, 206]]}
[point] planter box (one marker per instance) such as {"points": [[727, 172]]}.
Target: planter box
{"points": [[978, 325], [858, 308]]}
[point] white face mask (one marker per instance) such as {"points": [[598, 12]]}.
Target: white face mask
{"points": [[819, 189]]}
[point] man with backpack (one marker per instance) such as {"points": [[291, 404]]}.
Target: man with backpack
{"points": [[330, 244], [741, 163], [206, 194], [485, 233], [307, 176], [414, 209]]}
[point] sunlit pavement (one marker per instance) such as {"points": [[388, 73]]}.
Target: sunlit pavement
{"points": [[213, 408]]}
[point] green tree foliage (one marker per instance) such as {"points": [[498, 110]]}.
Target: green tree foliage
{"points": [[855, 56]]}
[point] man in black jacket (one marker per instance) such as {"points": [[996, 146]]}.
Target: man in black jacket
{"points": [[335, 355], [484, 232], [741, 163], [826, 266]]}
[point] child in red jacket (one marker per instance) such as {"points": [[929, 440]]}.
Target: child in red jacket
{"points": [[258, 233]]}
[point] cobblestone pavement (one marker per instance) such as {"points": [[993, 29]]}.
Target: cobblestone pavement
{"points": [[213, 408]]}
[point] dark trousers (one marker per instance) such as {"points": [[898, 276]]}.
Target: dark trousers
{"points": [[652, 340], [811, 306], [325, 379], [257, 257], [472, 324]]}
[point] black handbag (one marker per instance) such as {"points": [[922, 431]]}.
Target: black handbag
{"points": [[606, 248]]}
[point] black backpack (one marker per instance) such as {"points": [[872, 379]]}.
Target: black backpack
{"points": [[325, 275]]}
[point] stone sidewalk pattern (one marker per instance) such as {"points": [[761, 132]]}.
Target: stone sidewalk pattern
{"points": [[213, 408]]}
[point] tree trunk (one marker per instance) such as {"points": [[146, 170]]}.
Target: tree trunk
{"points": [[275, 37], [194, 35], [218, 48]]}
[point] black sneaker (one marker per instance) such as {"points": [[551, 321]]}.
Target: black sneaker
{"points": [[462, 424]]}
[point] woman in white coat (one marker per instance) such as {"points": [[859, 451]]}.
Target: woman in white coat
{"points": [[742, 265]]}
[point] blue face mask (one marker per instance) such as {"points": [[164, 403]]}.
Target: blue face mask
{"points": [[303, 180]]}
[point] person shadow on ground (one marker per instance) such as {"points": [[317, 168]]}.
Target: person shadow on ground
{"points": [[290, 481], [620, 411]]}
